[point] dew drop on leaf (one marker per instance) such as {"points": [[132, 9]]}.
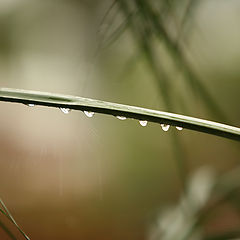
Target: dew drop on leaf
{"points": [[143, 123], [121, 118], [88, 114], [65, 110], [165, 127]]}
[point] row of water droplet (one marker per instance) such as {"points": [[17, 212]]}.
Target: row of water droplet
{"points": [[165, 127], [144, 123]]}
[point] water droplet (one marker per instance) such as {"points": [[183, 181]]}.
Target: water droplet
{"points": [[165, 127], [65, 110], [121, 118], [143, 123], [179, 128], [88, 114], [31, 105]]}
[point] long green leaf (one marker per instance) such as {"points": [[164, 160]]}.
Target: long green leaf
{"points": [[87, 104]]}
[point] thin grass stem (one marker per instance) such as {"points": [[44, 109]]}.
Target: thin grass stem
{"points": [[87, 104], [10, 217]]}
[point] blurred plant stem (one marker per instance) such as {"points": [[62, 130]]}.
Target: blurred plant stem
{"points": [[143, 39], [149, 23], [224, 190]]}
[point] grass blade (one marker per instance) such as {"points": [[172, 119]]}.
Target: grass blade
{"points": [[87, 104], [10, 217]]}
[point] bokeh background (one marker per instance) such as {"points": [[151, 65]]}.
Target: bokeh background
{"points": [[73, 177]]}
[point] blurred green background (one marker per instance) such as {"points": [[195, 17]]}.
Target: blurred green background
{"points": [[71, 177]]}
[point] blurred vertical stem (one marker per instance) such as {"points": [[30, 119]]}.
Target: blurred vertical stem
{"points": [[148, 23]]}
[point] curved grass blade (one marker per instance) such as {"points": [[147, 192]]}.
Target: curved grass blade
{"points": [[10, 217], [115, 109]]}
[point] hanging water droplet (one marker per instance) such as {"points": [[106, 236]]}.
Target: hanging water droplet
{"points": [[143, 123], [31, 105], [88, 114], [165, 127], [65, 110], [121, 118], [179, 128]]}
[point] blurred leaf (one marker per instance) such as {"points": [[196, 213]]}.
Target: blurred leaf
{"points": [[200, 187], [119, 30], [150, 17], [178, 221]]}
